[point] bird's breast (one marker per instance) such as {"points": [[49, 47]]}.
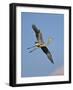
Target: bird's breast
{"points": [[40, 45]]}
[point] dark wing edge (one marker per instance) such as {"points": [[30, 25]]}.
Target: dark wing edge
{"points": [[38, 34], [47, 52], [35, 29]]}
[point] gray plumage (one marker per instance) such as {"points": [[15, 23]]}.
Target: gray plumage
{"points": [[41, 44]]}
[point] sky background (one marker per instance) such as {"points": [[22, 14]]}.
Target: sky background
{"points": [[36, 63]]}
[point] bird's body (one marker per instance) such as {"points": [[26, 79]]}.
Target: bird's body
{"points": [[40, 43]]}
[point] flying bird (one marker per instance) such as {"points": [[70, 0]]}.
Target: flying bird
{"points": [[40, 43]]}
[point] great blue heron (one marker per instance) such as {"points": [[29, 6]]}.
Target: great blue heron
{"points": [[40, 43]]}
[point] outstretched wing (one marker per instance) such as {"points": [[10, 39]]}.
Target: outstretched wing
{"points": [[38, 34], [47, 52]]}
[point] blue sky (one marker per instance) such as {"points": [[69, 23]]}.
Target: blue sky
{"points": [[36, 63]]}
